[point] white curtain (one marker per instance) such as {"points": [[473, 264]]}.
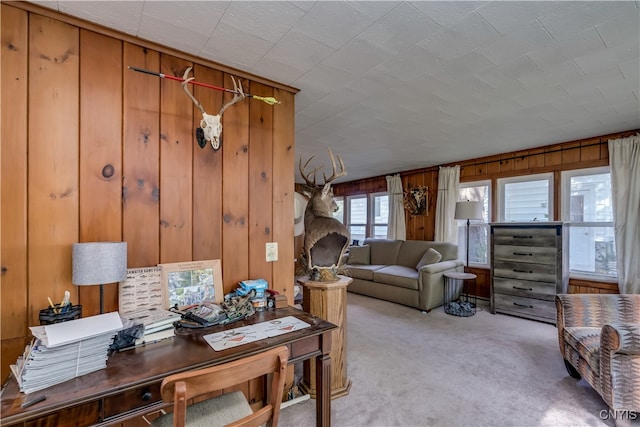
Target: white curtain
{"points": [[396, 229], [624, 160], [446, 227]]}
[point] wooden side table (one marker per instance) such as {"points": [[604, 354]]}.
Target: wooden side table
{"points": [[328, 300], [453, 287]]}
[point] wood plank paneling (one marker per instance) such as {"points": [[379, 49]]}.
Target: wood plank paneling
{"points": [[207, 173], [283, 185], [13, 185], [260, 182], [100, 154], [141, 158], [53, 128], [89, 162], [235, 191], [176, 167]]}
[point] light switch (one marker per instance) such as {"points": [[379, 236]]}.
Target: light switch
{"points": [[272, 251]]}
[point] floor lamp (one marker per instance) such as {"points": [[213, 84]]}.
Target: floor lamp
{"points": [[97, 263], [468, 210]]}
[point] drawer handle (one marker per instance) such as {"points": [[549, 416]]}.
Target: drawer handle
{"points": [[523, 289], [523, 253], [522, 271], [146, 396], [523, 237], [523, 305]]}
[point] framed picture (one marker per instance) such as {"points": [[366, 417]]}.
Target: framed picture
{"points": [[192, 282]]}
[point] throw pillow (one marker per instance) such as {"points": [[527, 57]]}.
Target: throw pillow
{"points": [[359, 254], [430, 257]]}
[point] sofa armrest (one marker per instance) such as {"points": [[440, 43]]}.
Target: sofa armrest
{"points": [[440, 267]]}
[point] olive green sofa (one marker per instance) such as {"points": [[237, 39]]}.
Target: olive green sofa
{"points": [[407, 272]]}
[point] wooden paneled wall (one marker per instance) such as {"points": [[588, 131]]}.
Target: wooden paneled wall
{"points": [[591, 152], [93, 151]]}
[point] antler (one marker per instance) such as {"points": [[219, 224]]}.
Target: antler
{"points": [[335, 174], [185, 84], [238, 95], [306, 177]]}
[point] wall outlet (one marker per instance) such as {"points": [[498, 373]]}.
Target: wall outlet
{"points": [[272, 251]]}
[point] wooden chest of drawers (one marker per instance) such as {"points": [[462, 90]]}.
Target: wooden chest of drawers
{"points": [[527, 269]]}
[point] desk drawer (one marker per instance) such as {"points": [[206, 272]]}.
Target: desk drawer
{"points": [[131, 399], [526, 254]]}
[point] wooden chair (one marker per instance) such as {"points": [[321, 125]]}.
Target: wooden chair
{"points": [[230, 409]]}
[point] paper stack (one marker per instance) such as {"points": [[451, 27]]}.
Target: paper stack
{"points": [[158, 324], [66, 350]]}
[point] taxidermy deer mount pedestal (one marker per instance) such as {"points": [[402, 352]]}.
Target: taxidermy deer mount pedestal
{"points": [[325, 238]]}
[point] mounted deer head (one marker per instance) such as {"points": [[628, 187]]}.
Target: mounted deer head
{"points": [[212, 125], [325, 238], [322, 195]]}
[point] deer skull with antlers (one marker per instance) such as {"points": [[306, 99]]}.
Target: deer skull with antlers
{"points": [[325, 238], [212, 125]]}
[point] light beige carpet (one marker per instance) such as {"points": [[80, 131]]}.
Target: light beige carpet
{"points": [[434, 369]]}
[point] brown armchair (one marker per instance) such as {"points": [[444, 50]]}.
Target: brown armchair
{"points": [[599, 337]]}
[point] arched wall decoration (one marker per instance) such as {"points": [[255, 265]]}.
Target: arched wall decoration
{"points": [[416, 200]]}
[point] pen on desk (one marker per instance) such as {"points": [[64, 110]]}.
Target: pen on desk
{"points": [[34, 401], [53, 306]]}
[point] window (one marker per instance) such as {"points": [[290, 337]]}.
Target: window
{"points": [[357, 217], [478, 191], [588, 216], [367, 216], [339, 213], [525, 198], [379, 214]]}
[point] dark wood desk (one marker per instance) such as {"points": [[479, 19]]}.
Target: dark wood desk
{"points": [[130, 385]]}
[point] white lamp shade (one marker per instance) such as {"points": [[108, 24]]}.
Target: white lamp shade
{"points": [[97, 263], [468, 210]]}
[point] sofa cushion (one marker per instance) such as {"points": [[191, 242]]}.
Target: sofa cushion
{"points": [[361, 271], [359, 254], [383, 251], [586, 341], [431, 256], [397, 275]]}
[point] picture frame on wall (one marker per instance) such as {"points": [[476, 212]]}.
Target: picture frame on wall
{"points": [[192, 282]]}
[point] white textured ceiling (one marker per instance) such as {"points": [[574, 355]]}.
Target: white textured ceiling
{"points": [[395, 86]]}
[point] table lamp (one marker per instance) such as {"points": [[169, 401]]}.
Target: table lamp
{"points": [[97, 263], [468, 210]]}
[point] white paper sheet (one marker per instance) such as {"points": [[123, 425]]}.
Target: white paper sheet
{"points": [[79, 329]]}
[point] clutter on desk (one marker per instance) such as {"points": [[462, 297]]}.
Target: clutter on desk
{"points": [[62, 351], [62, 312], [260, 286], [233, 308], [158, 324]]}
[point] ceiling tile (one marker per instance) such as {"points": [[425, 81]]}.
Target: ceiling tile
{"points": [[400, 29], [123, 15], [333, 24], [582, 43], [511, 16], [446, 13], [513, 45], [576, 16]]}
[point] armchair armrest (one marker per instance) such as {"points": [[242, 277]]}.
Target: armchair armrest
{"points": [[621, 338], [619, 360]]}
